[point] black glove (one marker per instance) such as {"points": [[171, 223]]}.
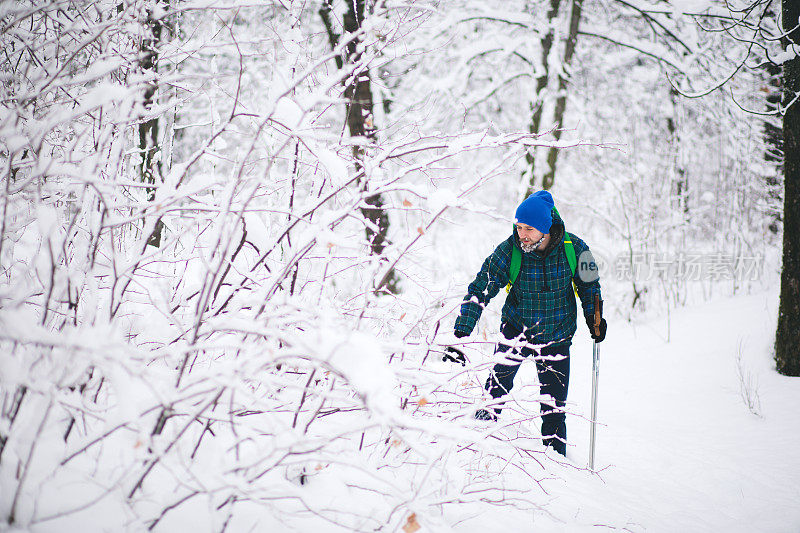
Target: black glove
{"points": [[603, 325], [454, 355]]}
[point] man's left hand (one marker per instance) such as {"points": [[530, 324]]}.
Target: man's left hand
{"points": [[454, 355], [602, 328]]}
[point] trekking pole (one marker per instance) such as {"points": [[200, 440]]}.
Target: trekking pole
{"points": [[595, 375]]}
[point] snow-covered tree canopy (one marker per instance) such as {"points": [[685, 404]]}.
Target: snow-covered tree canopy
{"points": [[235, 236]]}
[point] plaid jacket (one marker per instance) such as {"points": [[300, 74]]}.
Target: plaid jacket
{"points": [[541, 301]]}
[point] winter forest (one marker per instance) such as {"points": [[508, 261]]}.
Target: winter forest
{"points": [[236, 235]]}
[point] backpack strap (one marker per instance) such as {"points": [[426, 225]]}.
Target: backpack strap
{"points": [[569, 250], [516, 264]]}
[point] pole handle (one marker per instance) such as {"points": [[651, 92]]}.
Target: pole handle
{"points": [[598, 313]]}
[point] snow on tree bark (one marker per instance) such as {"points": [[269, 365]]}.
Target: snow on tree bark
{"points": [[150, 151], [360, 120]]}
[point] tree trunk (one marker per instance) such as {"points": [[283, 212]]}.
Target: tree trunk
{"points": [[787, 337], [150, 170], [361, 122], [541, 86], [548, 178], [773, 138], [681, 179]]}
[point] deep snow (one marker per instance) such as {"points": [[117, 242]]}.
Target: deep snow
{"points": [[678, 449]]}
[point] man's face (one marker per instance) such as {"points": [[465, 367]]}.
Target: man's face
{"points": [[528, 235]]}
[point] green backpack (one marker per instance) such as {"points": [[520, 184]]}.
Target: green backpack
{"points": [[516, 259]]}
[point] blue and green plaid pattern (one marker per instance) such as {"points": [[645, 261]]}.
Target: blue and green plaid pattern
{"points": [[542, 301]]}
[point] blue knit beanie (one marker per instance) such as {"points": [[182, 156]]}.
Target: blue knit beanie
{"points": [[535, 211]]}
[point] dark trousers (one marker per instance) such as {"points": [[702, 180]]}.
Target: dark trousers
{"points": [[552, 365]]}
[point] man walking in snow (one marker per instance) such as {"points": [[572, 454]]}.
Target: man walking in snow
{"points": [[540, 313]]}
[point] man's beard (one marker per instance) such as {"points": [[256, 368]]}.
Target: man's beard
{"points": [[531, 247]]}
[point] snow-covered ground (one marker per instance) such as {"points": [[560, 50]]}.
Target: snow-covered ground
{"points": [[678, 449]]}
